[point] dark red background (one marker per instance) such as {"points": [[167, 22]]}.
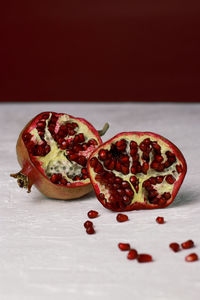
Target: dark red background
{"points": [[100, 50]]}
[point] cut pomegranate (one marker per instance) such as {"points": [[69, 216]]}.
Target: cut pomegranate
{"points": [[136, 170], [53, 150], [122, 218], [132, 254], [143, 258], [191, 257], [188, 244], [175, 247], [124, 246], [160, 220], [93, 214]]}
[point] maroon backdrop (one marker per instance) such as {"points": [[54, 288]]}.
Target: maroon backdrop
{"points": [[100, 50]]}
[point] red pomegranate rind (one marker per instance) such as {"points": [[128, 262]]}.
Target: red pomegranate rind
{"points": [[53, 150], [191, 257], [136, 170]]}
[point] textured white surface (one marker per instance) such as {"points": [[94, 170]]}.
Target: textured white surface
{"points": [[44, 250]]}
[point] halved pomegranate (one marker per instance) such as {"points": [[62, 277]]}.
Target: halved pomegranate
{"points": [[53, 150], [136, 170]]}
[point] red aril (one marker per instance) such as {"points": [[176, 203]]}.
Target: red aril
{"points": [[93, 214], [191, 257], [90, 230], [122, 218], [136, 170], [132, 254], [88, 224], [53, 150], [175, 247], [124, 246], [143, 258], [188, 244], [160, 220]]}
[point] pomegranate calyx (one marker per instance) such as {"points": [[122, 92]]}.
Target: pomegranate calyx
{"points": [[102, 131], [22, 181]]}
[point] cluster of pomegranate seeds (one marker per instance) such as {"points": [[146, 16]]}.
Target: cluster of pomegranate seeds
{"points": [[188, 244], [185, 245], [191, 257], [93, 214], [160, 220], [133, 254], [89, 227], [128, 170], [175, 247], [122, 218]]}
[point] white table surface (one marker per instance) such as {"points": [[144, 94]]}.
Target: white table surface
{"points": [[44, 250]]}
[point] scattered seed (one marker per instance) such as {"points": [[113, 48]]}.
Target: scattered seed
{"points": [[132, 254], [175, 247], [93, 214], [90, 230], [143, 258], [160, 220], [188, 244], [191, 257], [122, 218], [124, 246], [88, 224]]}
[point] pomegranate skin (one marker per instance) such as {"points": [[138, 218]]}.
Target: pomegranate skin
{"points": [[171, 161], [31, 172]]}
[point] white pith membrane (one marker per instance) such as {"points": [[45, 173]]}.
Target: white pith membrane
{"points": [[140, 195], [57, 161]]}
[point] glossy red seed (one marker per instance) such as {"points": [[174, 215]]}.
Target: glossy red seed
{"points": [[191, 257], [63, 181], [159, 179], [93, 214], [122, 218], [124, 246], [179, 168], [175, 247], [88, 224], [93, 162], [54, 178], [170, 179], [132, 254], [90, 230], [160, 220], [102, 154], [143, 258], [188, 244]]}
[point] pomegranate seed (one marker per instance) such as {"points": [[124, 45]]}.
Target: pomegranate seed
{"points": [[88, 224], [54, 178], [125, 169], [84, 171], [133, 144], [159, 179], [142, 258], [129, 192], [167, 195], [102, 154], [93, 162], [145, 167], [160, 220], [132, 254], [41, 125], [81, 136], [124, 246], [126, 200], [90, 230], [188, 244], [63, 181], [175, 247], [134, 179], [147, 141], [170, 179], [122, 218], [93, 214], [179, 168], [152, 180], [158, 158], [125, 184], [191, 257]]}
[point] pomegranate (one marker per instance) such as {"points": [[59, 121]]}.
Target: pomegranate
{"points": [[53, 150], [136, 170]]}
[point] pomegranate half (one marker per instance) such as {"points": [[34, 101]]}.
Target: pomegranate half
{"points": [[53, 150], [136, 170]]}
